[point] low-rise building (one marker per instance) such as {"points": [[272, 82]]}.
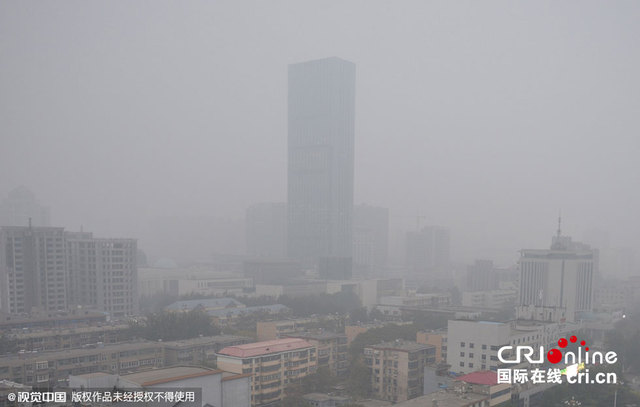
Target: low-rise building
{"points": [[210, 387], [199, 351], [489, 299], [397, 369], [273, 365], [332, 350], [69, 338], [485, 382], [438, 339], [270, 330], [39, 369], [325, 400]]}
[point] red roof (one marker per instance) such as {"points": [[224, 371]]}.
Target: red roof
{"points": [[265, 348], [486, 377]]}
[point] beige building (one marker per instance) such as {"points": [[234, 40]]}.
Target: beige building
{"points": [[397, 369], [273, 365], [437, 339], [270, 330], [332, 350]]}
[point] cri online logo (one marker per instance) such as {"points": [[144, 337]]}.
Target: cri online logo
{"points": [[555, 356]]}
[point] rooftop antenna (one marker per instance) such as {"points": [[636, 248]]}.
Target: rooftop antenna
{"points": [[29, 222], [559, 223]]}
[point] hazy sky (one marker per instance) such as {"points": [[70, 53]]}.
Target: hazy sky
{"points": [[487, 117]]}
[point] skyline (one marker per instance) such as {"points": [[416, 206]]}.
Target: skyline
{"points": [[511, 113]]}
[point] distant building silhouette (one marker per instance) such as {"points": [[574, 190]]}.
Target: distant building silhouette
{"points": [[20, 206], [370, 240], [481, 276], [321, 118], [266, 232], [428, 251]]}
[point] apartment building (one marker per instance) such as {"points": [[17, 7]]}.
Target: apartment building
{"points": [[103, 273], [272, 364], [33, 269], [332, 350], [397, 369], [270, 330], [199, 351], [41, 369], [437, 339], [69, 338]]}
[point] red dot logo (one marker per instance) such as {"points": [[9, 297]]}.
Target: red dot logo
{"points": [[583, 343], [573, 339], [563, 343], [554, 356]]}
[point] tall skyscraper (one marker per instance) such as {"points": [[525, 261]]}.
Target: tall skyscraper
{"points": [[266, 230], [557, 284], [33, 272], [321, 118]]}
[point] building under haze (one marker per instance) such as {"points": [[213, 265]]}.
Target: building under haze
{"points": [[33, 269], [557, 284], [370, 240], [266, 230], [103, 273], [321, 119], [428, 251], [21, 207]]}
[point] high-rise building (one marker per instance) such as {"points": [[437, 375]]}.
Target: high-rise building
{"points": [[481, 276], [321, 119], [370, 240], [556, 284], [21, 207], [33, 272], [266, 232], [428, 251], [103, 273]]}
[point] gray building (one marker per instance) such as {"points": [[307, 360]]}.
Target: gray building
{"points": [[370, 240], [557, 284], [33, 272], [21, 207], [103, 273], [321, 126], [266, 230], [428, 251]]}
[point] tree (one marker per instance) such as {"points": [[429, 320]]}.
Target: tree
{"points": [[170, 326]]}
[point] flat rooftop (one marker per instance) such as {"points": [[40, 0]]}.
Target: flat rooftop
{"points": [[445, 399], [265, 347], [401, 345], [168, 375]]}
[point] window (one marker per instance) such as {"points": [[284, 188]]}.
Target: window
{"points": [[470, 355], [462, 344], [471, 345], [484, 347], [461, 354], [470, 364], [461, 364]]}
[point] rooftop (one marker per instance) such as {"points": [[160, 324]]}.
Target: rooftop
{"points": [[168, 375], [445, 399], [211, 303], [265, 347], [184, 343], [401, 345], [485, 377], [317, 335]]}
